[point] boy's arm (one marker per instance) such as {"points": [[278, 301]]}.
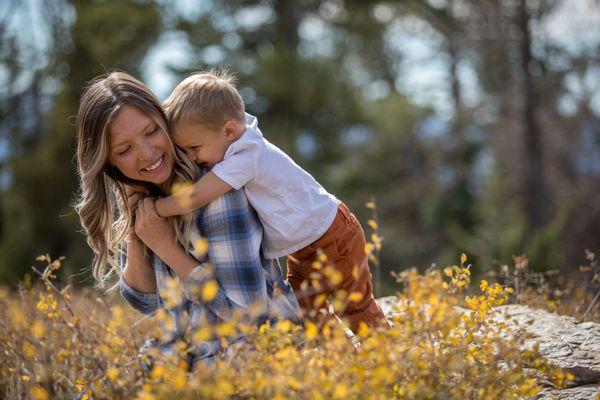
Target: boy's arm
{"points": [[205, 190]]}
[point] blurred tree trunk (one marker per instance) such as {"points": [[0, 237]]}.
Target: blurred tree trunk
{"points": [[288, 17], [535, 199]]}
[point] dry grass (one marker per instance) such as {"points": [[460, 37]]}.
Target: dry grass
{"points": [[56, 344]]}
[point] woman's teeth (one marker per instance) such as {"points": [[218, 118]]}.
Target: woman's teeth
{"points": [[155, 165]]}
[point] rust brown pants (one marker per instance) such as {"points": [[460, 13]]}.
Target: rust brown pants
{"points": [[344, 245]]}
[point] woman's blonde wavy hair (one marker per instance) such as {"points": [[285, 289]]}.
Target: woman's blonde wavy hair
{"points": [[104, 223]]}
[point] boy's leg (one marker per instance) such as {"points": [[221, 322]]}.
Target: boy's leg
{"points": [[366, 309], [344, 245], [350, 259], [299, 267]]}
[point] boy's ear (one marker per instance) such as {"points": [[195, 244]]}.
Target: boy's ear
{"points": [[231, 130]]}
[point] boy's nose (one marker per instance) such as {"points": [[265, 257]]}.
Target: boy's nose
{"points": [[192, 155]]}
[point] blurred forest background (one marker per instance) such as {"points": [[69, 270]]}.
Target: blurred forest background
{"points": [[474, 124]]}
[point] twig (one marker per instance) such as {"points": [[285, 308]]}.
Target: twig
{"points": [[23, 298], [590, 307], [49, 283]]}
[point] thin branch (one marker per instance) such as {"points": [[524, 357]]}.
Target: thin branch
{"points": [[50, 284]]}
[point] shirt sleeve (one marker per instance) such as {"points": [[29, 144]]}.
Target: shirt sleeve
{"points": [[146, 303], [238, 167], [234, 237]]}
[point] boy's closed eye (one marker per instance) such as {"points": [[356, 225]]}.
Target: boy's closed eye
{"points": [[191, 150]]}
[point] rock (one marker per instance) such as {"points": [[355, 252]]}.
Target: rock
{"points": [[570, 345], [586, 392], [566, 343], [387, 305]]}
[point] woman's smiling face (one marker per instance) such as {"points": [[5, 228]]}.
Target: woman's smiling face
{"points": [[140, 147]]}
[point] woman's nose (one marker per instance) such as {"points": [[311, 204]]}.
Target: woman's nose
{"points": [[146, 152]]}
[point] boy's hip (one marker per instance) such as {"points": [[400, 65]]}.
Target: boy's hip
{"points": [[343, 242]]}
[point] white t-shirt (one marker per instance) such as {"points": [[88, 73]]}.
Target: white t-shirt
{"points": [[295, 210]]}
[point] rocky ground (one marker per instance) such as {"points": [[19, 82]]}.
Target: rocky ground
{"points": [[571, 345]]}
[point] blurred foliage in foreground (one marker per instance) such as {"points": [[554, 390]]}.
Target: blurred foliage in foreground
{"points": [[509, 165], [57, 343]]}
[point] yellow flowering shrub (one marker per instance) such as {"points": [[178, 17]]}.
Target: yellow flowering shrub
{"points": [[444, 344]]}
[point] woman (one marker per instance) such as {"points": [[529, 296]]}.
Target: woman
{"points": [[124, 151]]}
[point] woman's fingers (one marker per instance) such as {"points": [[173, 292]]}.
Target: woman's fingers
{"points": [[134, 196], [131, 199], [129, 190], [138, 226], [143, 207], [146, 213], [134, 199], [154, 231], [151, 208]]}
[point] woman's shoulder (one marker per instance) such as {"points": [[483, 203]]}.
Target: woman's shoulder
{"points": [[229, 217], [231, 199], [228, 202]]}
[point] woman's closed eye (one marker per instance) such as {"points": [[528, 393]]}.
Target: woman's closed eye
{"points": [[124, 151], [153, 131]]}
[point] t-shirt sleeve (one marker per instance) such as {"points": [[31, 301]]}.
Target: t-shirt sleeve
{"points": [[238, 167]]}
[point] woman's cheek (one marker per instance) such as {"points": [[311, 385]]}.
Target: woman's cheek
{"points": [[129, 168]]}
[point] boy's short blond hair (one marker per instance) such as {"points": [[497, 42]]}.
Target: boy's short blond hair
{"points": [[208, 98]]}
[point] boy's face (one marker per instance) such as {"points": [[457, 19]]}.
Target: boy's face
{"points": [[204, 145]]}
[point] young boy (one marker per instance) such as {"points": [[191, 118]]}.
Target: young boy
{"points": [[299, 217]]}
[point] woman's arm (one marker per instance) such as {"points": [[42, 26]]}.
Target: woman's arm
{"points": [[138, 273], [138, 282]]}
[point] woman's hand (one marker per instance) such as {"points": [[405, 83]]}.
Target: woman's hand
{"points": [[157, 233], [133, 198]]}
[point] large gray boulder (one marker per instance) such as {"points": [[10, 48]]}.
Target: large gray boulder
{"points": [[570, 345]]}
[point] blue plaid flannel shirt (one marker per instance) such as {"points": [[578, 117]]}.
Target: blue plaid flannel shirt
{"points": [[234, 259]]}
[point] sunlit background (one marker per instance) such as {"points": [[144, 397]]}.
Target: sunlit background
{"points": [[473, 124]]}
